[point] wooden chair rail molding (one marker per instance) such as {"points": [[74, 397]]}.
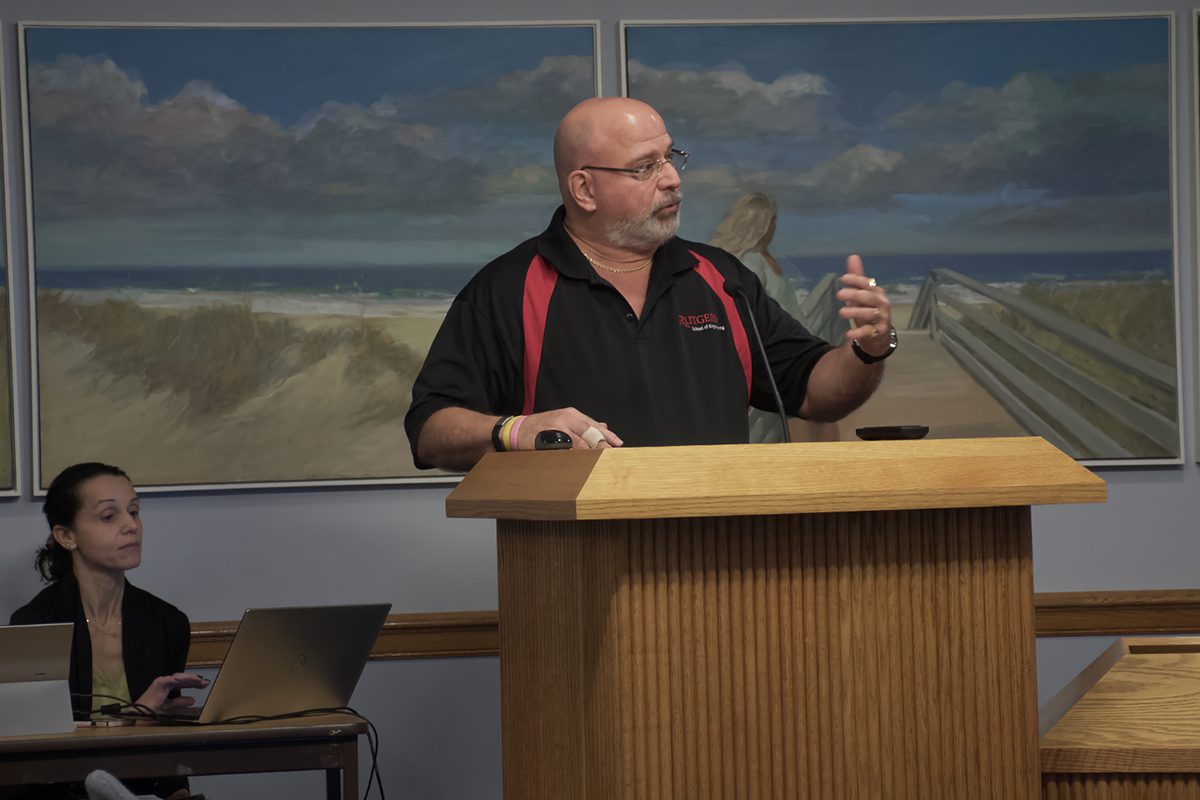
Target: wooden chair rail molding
{"points": [[438, 634], [459, 634], [1141, 612]]}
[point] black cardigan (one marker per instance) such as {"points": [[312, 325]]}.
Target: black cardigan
{"points": [[154, 637]]}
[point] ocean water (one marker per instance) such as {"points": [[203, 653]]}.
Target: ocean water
{"points": [[421, 282], [996, 268], [903, 274]]}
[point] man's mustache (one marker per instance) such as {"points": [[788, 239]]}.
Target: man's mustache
{"points": [[673, 198]]}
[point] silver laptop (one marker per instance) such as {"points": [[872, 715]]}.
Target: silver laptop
{"points": [[284, 660], [35, 665]]}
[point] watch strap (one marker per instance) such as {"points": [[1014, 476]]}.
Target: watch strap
{"points": [[868, 358], [497, 442]]}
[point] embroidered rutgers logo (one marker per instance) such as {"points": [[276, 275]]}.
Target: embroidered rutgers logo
{"points": [[701, 322]]}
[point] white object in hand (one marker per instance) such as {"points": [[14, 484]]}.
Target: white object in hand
{"points": [[592, 436]]}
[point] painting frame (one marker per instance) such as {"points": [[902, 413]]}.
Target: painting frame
{"points": [[589, 28], [1195, 130], [1178, 436], [13, 487]]}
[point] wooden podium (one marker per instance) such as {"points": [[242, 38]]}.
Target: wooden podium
{"points": [[1128, 726], [844, 619]]}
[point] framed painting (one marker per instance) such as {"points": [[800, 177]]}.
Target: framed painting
{"points": [[243, 239], [1009, 181], [1196, 220], [9, 485]]}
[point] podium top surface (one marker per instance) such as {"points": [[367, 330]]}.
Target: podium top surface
{"points": [[1136, 708], [754, 479]]}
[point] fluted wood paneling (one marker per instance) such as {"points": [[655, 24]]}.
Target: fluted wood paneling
{"points": [[877, 654], [1121, 787]]}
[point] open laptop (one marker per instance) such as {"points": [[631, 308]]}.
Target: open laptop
{"points": [[35, 666], [284, 660]]}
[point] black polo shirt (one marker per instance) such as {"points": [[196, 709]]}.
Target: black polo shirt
{"points": [[538, 329]]}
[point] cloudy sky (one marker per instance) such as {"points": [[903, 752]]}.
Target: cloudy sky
{"points": [[162, 147], [979, 137]]}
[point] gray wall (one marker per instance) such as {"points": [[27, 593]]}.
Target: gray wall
{"points": [[215, 554]]}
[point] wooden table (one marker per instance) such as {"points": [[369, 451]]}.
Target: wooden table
{"points": [[149, 750], [1128, 727]]}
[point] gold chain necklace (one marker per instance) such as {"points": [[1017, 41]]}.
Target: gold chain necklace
{"points": [[95, 625], [606, 268]]}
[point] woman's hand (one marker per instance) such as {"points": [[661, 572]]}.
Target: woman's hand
{"points": [[157, 698]]}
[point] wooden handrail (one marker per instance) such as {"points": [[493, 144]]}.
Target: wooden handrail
{"points": [[969, 337]]}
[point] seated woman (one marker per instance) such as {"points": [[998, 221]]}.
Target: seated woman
{"points": [[129, 644]]}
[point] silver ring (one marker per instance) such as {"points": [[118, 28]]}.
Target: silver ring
{"points": [[870, 283]]}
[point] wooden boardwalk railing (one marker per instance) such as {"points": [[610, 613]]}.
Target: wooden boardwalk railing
{"points": [[969, 334]]}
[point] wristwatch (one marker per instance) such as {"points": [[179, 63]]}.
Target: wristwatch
{"points": [[866, 357]]}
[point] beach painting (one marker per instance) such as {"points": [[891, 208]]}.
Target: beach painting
{"points": [[243, 239], [1008, 181]]}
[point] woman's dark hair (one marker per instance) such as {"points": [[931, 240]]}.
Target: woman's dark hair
{"points": [[61, 506]]}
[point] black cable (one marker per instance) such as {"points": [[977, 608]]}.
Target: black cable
{"points": [[118, 708], [762, 352], [122, 708]]}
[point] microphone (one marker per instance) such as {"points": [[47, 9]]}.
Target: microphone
{"points": [[734, 289]]}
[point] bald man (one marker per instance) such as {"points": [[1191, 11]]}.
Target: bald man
{"points": [[611, 329]]}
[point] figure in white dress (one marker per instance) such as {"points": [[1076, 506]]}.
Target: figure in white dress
{"points": [[747, 231]]}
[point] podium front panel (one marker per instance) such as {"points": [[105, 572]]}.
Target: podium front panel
{"points": [[884, 654]]}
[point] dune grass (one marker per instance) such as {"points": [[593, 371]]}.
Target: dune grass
{"points": [[1138, 315], [373, 354], [218, 356]]}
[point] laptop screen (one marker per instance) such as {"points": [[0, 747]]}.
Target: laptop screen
{"points": [[285, 660], [35, 664]]}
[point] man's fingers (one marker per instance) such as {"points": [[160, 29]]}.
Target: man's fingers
{"points": [[865, 315], [584, 431], [600, 437], [592, 436], [861, 295], [854, 265]]}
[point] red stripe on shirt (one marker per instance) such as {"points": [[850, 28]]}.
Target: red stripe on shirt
{"points": [[540, 278], [716, 282]]}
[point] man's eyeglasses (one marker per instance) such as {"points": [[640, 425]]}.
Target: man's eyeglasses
{"points": [[651, 169]]}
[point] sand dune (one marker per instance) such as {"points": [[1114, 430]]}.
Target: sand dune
{"points": [[326, 404]]}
